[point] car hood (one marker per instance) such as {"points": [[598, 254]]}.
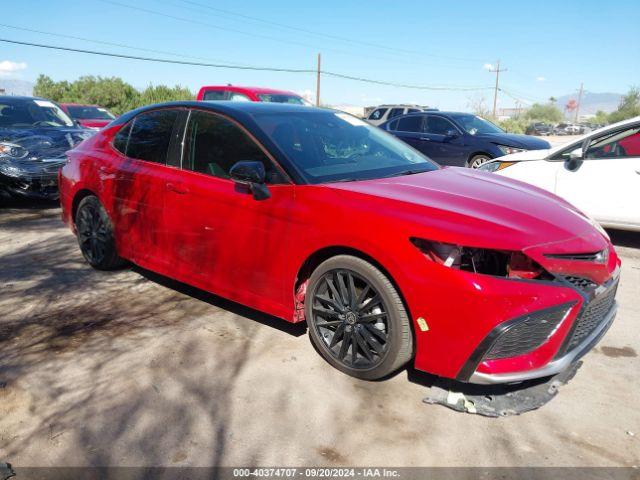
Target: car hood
{"points": [[462, 206], [45, 142], [515, 140], [526, 155]]}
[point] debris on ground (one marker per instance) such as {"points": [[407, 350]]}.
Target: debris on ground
{"points": [[500, 400]]}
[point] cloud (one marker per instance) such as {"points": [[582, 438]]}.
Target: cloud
{"points": [[541, 79], [7, 67], [487, 66]]}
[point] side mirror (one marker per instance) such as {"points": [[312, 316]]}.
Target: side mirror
{"points": [[575, 160], [451, 134], [251, 174]]}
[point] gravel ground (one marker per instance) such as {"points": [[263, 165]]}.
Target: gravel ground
{"points": [[128, 368]]}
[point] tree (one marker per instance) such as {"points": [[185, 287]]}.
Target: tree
{"points": [[112, 93], [547, 113], [478, 105], [600, 118], [629, 106]]}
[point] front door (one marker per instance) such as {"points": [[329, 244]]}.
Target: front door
{"points": [[223, 239], [443, 142], [607, 183]]}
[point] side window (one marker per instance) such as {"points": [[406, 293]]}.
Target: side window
{"points": [[122, 138], [413, 110], [151, 134], [214, 95], [214, 144], [437, 125], [395, 112], [377, 114], [619, 144], [393, 125], [410, 124], [238, 97]]}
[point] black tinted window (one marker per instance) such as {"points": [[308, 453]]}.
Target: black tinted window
{"points": [[213, 95], [437, 125], [395, 112], [121, 139], [151, 134], [215, 144], [410, 124]]}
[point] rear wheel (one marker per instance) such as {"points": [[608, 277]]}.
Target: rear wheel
{"points": [[357, 319], [95, 235], [478, 160]]}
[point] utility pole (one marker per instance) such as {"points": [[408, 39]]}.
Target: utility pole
{"points": [[318, 84], [495, 92], [575, 120]]}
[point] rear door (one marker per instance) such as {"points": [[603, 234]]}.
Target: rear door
{"points": [[607, 183], [140, 184], [409, 130]]}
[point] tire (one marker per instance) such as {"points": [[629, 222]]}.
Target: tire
{"points": [[94, 231], [477, 160], [367, 333]]}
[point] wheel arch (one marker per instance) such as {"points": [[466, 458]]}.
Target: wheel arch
{"points": [[478, 152], [322, 254], [77, 198]]}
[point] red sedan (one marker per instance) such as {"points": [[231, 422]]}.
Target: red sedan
{"points": [[234, 93], [312, 214], [88, 116]]}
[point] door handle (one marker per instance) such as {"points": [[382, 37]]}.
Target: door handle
{"points": [[107, 170], [177, 188], [425, 138], [638, 172]]}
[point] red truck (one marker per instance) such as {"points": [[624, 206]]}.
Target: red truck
{"points": [[249, 94]]}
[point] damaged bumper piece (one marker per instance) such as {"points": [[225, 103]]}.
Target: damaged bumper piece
{"points": [[35, 179]]}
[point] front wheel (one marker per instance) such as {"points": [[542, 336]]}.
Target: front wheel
{"points": [[478, 160], [95, 235], [357, 319]]}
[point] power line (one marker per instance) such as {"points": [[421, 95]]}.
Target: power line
{"points": [[113, 44], [326, 35], [243, 67]]}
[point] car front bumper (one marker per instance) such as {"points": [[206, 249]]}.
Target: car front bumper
{"points": [[32, 179], [554, 367]]}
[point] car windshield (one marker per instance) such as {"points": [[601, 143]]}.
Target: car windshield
{"points": [[281, 98], [88, 112], [29, 113], [334, 146], [474, 124]]}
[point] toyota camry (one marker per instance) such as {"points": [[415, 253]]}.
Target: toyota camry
{"points": [[313, 215]]}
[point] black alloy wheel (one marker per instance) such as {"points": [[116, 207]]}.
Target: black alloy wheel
{"points": [[95, 235], [356, 318]]}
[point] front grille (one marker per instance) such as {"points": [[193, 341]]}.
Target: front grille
{"points": [[592, 315], [527, 333], [582, 283]]}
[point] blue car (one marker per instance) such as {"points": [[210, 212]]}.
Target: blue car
{"points": [[35, 133], [459, 139]]}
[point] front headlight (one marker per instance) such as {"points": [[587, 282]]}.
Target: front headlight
{"points": [[507, 150], [500, 263], [495, 166], [11, 150]]}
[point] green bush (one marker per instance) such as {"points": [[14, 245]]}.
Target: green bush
{"points": [[112, 93]]}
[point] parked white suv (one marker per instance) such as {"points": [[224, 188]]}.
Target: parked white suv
{"points": [[382, 113]]}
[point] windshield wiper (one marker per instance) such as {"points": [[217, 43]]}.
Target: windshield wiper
{"points": [[405, 172]]}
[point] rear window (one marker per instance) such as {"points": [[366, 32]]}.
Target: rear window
{"points": [[278, 98], [78, 112], [214, 95], [151, 134]]}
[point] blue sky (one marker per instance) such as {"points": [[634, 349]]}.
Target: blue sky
{"points": [[547, 47]]}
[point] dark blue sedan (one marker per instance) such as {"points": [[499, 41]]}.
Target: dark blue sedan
{"points": [[459, 139]]}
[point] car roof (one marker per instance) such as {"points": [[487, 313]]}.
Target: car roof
{"points": [[256, 90], [20, 97], [233, 109], [80, 105]]}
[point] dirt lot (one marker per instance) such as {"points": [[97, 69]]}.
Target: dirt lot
{"points": [[127, 368]]}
